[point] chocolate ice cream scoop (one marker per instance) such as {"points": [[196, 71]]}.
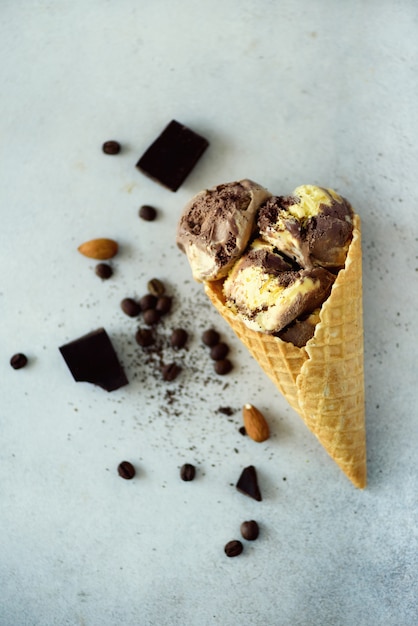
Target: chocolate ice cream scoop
{"points": [[267, 294], [313, 226], [216, 226]]}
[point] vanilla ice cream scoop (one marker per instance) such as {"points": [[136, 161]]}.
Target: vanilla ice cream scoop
{"points": [[313, 226], [267, 293], [216, 225]]}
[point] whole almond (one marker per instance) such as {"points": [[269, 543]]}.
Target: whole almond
{"points": [[255, 423], [100, 249]]}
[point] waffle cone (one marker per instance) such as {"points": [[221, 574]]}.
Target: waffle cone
{"points": [[324, 380]]}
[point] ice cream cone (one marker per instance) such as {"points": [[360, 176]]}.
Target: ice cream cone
{"points": [[324, 380]]}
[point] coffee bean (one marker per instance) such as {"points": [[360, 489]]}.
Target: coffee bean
{"points": [[148, 302], [233, 548], [126, 470], [18, 361], [219, 352], [151, 317], [250, 530], [111, 147], [223, 367], [156, 287], [170, 371], [103, 270], [130, 307], [144, 337], [178, 338], [210, 337], [187, 472], [147, 213], [164, 304]]}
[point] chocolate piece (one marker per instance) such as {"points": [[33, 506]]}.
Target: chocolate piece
{"points": [[247, 483], [111, 147], [170, 371], [187, 472], [219, 351], [233, 548], [301, 330], [151, 317], [92, 359], [226, 410], [103, 270], [126, 470], [242, 431], [148, 301], [222, 367], [130, 307], [164, 304], [178, 338], [250, 530], [156, 287], [144, 337], [18, 361], [210, 337], [147, 213], [173, 155]]}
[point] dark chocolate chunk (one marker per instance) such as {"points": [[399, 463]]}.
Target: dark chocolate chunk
{"points": [[242, 431], [173, 155], [178, 338], [170, 371], [103, 270], [164, 304], [126, 470], [226, 410], [222, 367], [130, 307], [247, 483], [147, 213], [250, 530], [210, 337], [219, 351], [233, 548], [93, 359], [187, 472], [18, 361], [111, 147], [144, 337], [151, 317]]}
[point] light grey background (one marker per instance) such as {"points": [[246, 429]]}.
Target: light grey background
{"points": [[287, 92]]}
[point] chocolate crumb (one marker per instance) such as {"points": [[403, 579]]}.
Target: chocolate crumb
{"points": [[242, 431], [226, 410]]}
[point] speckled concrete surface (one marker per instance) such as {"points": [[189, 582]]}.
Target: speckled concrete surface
{"points": [[287, 93]]}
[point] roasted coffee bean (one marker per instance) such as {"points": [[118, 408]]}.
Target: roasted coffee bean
{"points": [[103, 270], [18, 361], [148, 302], [178, 338], [233, 548], [170, 371], [219, 352], [144, 337], [156, 287], [126, 470], [111, 147], [130, 307], [250, 530], [147, 213], [210, 337], [164, 304], [187, 472], [151, 317], [223, 367]]}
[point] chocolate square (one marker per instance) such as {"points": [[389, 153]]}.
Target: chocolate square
{"points": [[173, 155], [92, 358]]}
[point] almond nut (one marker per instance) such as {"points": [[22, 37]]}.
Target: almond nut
{"points": [[100, 249], [255, 423]]}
